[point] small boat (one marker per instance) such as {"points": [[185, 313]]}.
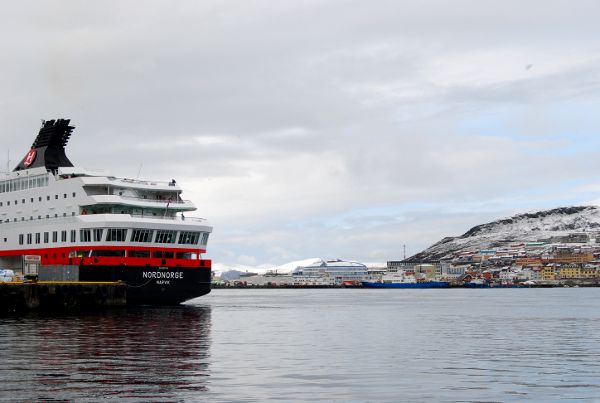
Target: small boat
{"points": [[477, 283]]}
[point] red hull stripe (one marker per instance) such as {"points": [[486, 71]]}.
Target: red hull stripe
{"points": [[60, 256]]}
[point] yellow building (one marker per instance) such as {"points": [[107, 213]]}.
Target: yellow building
{"points": [[589, 272], [567, 258], [528, 261], [548, 273], [570, 271]]}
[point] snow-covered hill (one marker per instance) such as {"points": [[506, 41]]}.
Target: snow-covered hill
{"points": [[530, 227]]}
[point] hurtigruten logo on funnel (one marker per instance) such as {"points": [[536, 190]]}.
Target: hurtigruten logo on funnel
{"points": [[30, 157]]}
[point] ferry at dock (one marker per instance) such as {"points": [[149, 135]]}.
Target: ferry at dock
{"points": [[80, 225], [403, 280]]}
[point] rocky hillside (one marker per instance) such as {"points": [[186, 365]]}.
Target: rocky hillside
{"points": [[545, 225]]}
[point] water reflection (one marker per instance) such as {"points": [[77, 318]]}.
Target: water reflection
{"points": [[131, 354]]}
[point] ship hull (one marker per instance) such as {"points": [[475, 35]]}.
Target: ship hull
{"points": [[147, 285], [476, 285], [427, 284]]}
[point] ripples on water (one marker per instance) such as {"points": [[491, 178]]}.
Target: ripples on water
{"points": [[140, 354], [507, 345]]}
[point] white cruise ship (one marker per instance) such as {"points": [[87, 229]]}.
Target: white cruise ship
{"points": [[334, 272], [82, 225]]}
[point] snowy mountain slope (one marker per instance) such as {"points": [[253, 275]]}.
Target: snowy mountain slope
{"points": [[529, 227]]}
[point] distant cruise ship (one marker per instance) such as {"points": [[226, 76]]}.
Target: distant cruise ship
{"points": [[81, 225], [337, 271]]}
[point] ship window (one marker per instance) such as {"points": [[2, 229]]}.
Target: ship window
{"points": [[47, 215], [85, 235], [47, 197], [142, 235], [8, 203], [98, 234], [163, 255], [16, 202], [0, 204], [40, 198], [165, 236], [116, 235], [188, 238], [46, 237], [20, 239], [29, 239], [139, 253], [63, 236], [56, 197], [204, 238], [31, 218], [37, 238], [73, 235], [65, 196], [23, 201], [108, 253], [184, 255], [32, 199], [54, 236], [74, 194]]}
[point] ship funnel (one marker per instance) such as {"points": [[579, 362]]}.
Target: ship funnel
{"points": [[48, 149]]}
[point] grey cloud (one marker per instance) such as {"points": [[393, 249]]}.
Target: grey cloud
{"points": [[275, 113]]}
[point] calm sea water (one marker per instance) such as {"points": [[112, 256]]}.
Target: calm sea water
{"points": [[505, 345]]}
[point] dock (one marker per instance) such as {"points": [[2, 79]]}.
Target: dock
{"points": [[60, 295]]}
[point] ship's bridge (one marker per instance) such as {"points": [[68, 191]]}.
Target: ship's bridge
{"points": [[105, 194]]}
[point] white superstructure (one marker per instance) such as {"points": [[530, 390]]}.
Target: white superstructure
{"points": [[63, 212], [334, 271]]}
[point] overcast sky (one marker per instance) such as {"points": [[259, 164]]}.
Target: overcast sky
{"points": [[335, 129]]}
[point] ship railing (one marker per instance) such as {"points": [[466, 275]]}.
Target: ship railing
{"points": [[156, 217], [172, 218], [142, 182], [155, 200]]}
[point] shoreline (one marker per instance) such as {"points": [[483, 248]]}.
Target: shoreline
{"points": [[478, 287]]}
